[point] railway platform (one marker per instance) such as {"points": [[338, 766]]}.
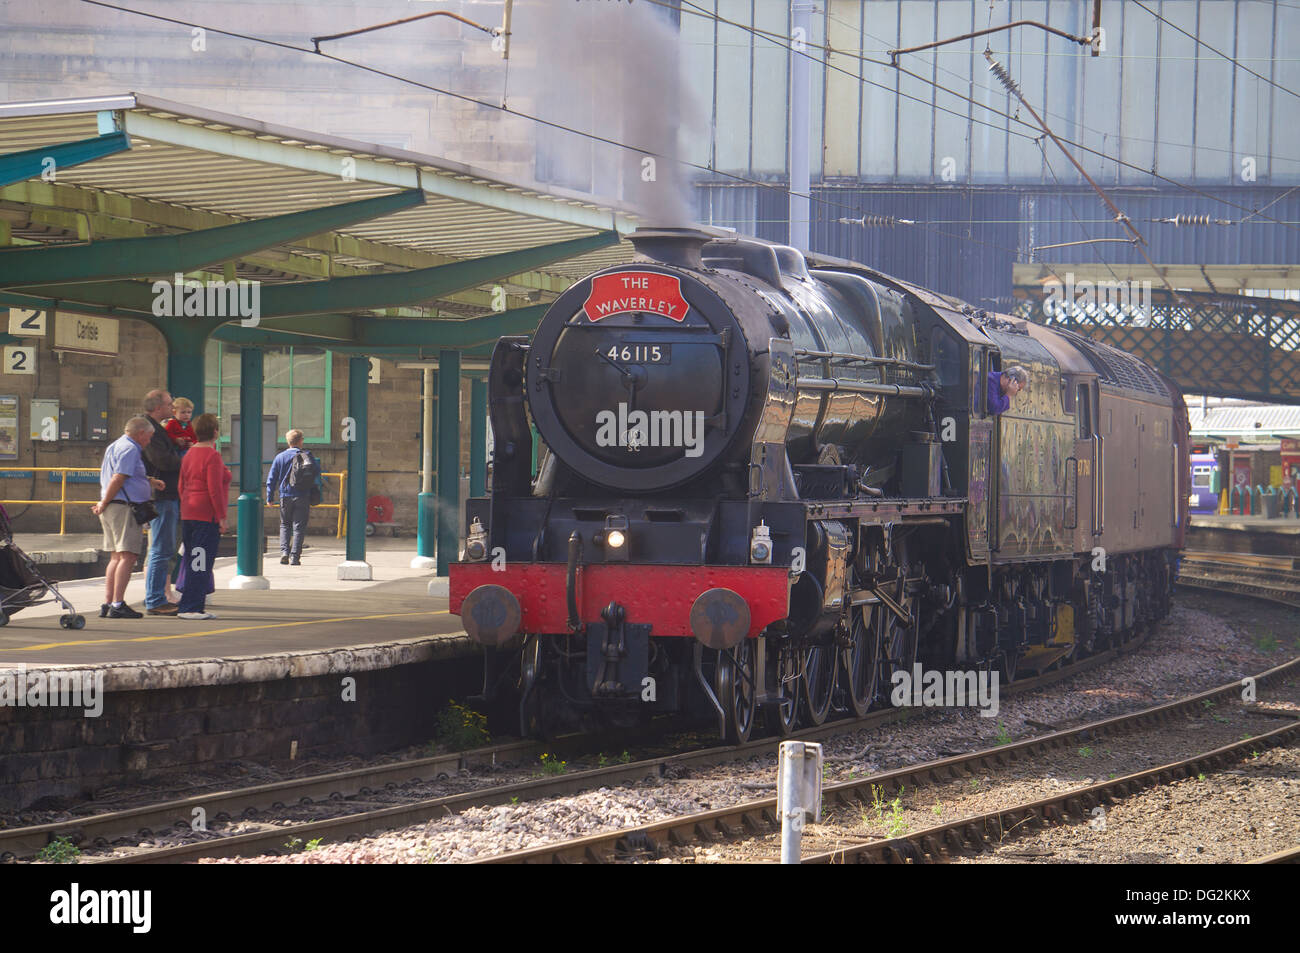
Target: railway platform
{"points": [[1232, 533], [312, 665]]}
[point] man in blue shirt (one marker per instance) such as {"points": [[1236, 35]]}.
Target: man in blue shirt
{"points": [[1003, 385], [295, 505], [122, 481]]}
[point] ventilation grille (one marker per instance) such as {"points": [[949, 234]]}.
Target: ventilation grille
{"points": [[1119, 368]]}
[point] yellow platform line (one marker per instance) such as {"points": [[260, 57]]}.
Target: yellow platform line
{"points": [[237, 628]]}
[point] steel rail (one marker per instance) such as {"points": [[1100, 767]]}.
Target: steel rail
{"points": [[365, 822], [252, 800], [973, 833], [1290, 855], [142, 819], [760, 815]]}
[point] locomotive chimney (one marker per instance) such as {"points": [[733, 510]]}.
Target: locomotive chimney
{"points": [[675, 246]]}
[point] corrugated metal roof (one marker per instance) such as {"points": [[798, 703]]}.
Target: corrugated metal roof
{"points": [[240, 167], [1245, 420]]}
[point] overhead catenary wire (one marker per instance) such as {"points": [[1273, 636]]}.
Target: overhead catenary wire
{"points": [[780, 41], [821, 201], [1230, 59], [526, 116], [1139, 241]]}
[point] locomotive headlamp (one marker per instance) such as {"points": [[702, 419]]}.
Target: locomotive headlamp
{"points": [[476, 542], [616, 538], [760, 544]]}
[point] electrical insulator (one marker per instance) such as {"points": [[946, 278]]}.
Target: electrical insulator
{"points": [[1000, 71], [1183, 219], [877, 221]]}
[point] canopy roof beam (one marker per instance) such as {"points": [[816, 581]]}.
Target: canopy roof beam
{"points": [[363, 292], [169, 254], [28, 164]]}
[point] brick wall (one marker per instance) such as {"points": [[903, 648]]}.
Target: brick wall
{"points": [[56, 753]]}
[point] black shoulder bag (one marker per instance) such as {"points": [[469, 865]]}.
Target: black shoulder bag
{"points": [[144, 512]]}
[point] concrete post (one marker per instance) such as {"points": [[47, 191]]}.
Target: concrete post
{"points": [[248, 558], [355, 565], [426, 525]]}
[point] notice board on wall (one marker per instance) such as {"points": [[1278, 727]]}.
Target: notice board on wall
{"points": [[8, 427]]}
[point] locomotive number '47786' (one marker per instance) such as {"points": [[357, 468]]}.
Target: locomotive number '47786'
{"points": [[771, 483]]}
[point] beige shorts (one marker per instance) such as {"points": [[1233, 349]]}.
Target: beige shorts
{"points": [[122, 534]]}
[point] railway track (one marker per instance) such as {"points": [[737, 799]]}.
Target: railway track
{"points": [[1275, 578], [973, 833], [1289, 856], [145, 822], [252, 803], [760, 816]]}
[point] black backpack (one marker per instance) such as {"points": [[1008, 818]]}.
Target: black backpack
{"points": [[304, 476]]}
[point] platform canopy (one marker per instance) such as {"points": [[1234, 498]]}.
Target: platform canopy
{"points": [[355, 246]]}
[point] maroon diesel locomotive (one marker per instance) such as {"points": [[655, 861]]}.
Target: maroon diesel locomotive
{"points": [[770, 481]]}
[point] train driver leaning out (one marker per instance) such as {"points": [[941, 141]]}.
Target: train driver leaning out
{"points": [[1003, 385]]}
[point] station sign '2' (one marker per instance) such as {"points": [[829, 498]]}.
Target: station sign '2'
{"points": [[635, 291]]}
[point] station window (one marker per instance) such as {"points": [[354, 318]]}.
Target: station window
{"points": [[296, 387]]}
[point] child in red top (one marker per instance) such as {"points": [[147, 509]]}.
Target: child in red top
{"points": [[178, 427]]}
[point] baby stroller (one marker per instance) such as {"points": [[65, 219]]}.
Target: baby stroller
{"points": [[21, 582]]}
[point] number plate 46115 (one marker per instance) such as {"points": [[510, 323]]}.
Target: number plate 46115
{"points": [[640, 353]]}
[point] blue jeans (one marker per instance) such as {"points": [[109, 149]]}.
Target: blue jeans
{"points": [[201, 541], [162, 547]]}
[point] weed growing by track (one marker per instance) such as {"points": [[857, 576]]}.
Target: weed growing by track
{"points": [[551, 764], [59, 851], [889, 813], [1003, 737], [461, 728], [295, 845]]}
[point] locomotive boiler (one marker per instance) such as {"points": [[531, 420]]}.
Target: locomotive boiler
{"points": [[768, 481]]}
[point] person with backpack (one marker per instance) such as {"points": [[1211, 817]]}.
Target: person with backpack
{"points": [[294, 479]]}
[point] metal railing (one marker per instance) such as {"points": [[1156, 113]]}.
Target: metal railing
{"points": [[63, 502]]}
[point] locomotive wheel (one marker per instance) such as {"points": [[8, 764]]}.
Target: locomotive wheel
{"points": [[536, 714], [897, 639], [734, 684], [859, 664], [785, 715], [1008, 664], [818, 682]]}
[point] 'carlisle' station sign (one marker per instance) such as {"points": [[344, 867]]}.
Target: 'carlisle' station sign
{"points": [[635, 291]]}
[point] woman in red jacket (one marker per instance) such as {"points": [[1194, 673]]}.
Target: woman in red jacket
{"points": [[204, 489]]}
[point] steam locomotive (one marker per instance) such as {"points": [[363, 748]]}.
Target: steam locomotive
{"points": [[769, 481]]}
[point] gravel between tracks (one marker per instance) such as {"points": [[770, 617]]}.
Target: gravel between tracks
{"points": [[1206, 641]]}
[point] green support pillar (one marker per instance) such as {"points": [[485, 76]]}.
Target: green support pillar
{"points": [[248, 574], [426, 523], [478, 438], [186, 341], [449, 529], [355, 565]]}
